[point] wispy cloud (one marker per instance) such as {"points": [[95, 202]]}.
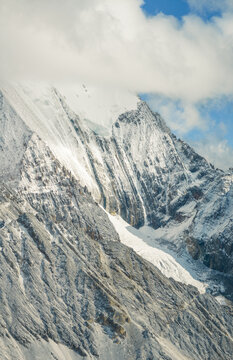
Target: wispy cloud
{"points": [[216, 150], [181, 116], [211, 5], [191, 121]]}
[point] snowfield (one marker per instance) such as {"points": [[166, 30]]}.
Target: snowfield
{"points": [[137, 240]]}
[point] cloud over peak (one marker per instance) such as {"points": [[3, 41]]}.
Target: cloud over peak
{"points": [[114, 42]]}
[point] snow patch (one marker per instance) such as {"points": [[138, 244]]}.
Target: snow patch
{"points": [[136, 239], [221, 300]]}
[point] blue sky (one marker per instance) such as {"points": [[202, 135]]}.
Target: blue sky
{"points": [[217, 113], [177, 8]]}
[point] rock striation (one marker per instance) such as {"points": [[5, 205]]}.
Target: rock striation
{"points": [[68, 287], [140, 171]]}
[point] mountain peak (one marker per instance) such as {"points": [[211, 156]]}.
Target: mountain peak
{"points": [[76, 280]]}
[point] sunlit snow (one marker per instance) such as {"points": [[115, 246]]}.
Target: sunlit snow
{"points": [[137, 239]]}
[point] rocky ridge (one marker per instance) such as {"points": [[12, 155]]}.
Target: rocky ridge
{"points": [[67, 281], [68, 286], [142, 172]]}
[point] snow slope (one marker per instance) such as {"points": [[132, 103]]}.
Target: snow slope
{"points": [[14, 135], [99, 106], [40, 107], [141, 172], [136, 239]]}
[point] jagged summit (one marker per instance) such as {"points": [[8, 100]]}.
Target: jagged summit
{"points": [[141, 171], [70, 287], [143, 114]]}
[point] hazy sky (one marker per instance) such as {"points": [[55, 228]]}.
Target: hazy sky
{"points": [[180, 53]]}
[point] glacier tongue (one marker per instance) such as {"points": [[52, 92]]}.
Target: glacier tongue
{"points": [[167, 264]]}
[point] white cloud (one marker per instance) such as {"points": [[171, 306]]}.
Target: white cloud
{"points": [[180, 116], [215, 150], [113, 42], [183, 117]]}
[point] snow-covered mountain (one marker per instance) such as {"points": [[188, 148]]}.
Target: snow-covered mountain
{"points": [[70, 287], [140, 170]]}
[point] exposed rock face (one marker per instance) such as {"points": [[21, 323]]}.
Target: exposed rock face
{"points": [[66, 279], [212, 228], [142, 171]]}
